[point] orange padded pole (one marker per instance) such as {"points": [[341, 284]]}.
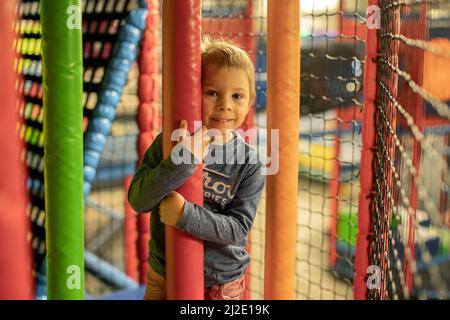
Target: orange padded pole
{"points": [[182, 100], [283, 111]]}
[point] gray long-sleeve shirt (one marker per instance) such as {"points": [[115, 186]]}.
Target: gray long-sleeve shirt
{"points": [[232, 188]]}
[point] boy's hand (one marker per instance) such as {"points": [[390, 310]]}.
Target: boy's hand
{"points": [[197, 143], [171, 208]]}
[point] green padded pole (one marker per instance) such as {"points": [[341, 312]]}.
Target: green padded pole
{"points": [[63, 144]]}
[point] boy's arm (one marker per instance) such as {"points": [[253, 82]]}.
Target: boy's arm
{"points": [[232, 225], [156, 177]]}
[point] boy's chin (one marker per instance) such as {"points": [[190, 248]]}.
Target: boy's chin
{"points": [[222, 128]]}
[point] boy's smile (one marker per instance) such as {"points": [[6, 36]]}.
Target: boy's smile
{"points": [[225, 98]]}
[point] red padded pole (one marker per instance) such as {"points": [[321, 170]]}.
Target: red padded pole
{"points": [[367, 156], [16, 280], [182, 100]]}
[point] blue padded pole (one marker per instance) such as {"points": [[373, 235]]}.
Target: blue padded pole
{"points": [[115, 79]]}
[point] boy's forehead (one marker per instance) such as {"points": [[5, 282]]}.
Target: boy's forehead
{"points": [[215, 68], [215, 73]]}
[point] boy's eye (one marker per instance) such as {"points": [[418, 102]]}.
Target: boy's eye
{"points": [[238, 96], [211, 93]]}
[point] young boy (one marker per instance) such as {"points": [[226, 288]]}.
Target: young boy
{"points": [[232, 186]]}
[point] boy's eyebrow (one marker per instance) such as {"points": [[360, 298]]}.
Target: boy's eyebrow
{"points": [[234, 89]]}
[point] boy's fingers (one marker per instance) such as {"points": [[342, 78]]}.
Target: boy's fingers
{"points": [[182, 131], [207, 139]]}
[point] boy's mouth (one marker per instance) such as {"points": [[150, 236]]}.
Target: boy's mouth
{"points": [[221, 120]]}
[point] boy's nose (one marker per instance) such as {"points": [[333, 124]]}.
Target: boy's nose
{"points": [[224, 107], [224, 104]]}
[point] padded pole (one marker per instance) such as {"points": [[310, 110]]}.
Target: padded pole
{"points": [[182, 100], [366, 170], [283, 103], [15, 250], [63, 145]]}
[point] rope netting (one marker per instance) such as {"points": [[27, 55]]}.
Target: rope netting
{"points": [[104, 77], [410, 210], [332, 64]]}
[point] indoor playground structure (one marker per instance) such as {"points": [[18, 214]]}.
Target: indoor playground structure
{"points": [[358, 89]]}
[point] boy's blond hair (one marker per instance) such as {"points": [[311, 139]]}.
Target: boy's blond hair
{"points": [[224, 53]]}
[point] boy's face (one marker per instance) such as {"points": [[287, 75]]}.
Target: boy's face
{"points": [[225, 97]]}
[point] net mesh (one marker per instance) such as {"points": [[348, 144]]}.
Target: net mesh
{"points": [[410, 242], [332, 64]]}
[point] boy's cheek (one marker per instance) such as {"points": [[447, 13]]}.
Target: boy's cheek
{"points": [[205, 113]]}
